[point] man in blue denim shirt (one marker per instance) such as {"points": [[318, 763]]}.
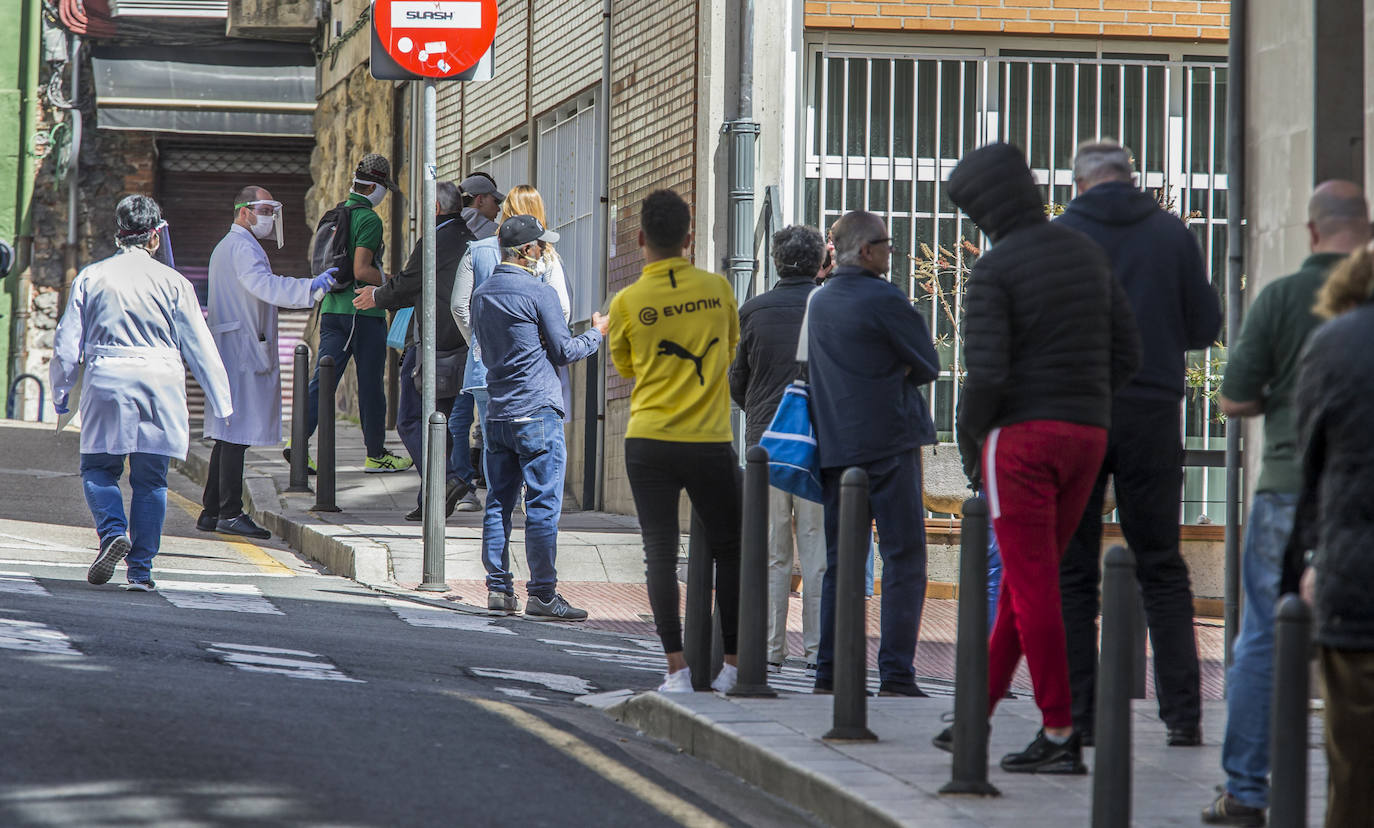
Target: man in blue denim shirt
{"points": [[1261, 373], [519, 322]]}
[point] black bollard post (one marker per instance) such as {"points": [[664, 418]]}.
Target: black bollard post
{"points": [[432, 485], [1140, 635], [1288, 715], [300, 403], [696, 623], [325, 478], [970, 767], [1112, 730], [753, 579], [851, 650]]}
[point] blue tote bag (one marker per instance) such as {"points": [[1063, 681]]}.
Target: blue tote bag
{"points": [[794, 458]]}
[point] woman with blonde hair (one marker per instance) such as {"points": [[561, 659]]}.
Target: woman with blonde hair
{"points": [[1350, 284]]}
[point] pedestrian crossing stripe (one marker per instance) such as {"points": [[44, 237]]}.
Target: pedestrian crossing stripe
{"points": [[419, 615], [195, 595], [33, 637], [293, 663], [21, 583], [554, 681]]}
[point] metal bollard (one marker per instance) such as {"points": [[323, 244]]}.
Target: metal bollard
{"points": [[1288, 715], [696, 623], [325, 477], [851, 650], [1112, 730], [433, 485], [753, 579], [300, 405], [1140, 635], [970, 766]]}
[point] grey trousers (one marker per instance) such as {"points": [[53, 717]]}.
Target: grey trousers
{"points": [[794, 523]]}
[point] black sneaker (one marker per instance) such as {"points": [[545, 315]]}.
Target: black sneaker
{"points": [[1184, 737], [309, 464], [892, 688], [243, 526], [502, 603], [1226, 810], [555, 609], [1044, 756], [944, 740], [112, 552], [207, 522], [454, 491], [140, 586], [416, 514]]}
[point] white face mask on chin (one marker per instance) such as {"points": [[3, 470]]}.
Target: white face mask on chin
{"points": [[378, 192]]}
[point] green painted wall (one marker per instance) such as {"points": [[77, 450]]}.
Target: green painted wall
{"points": [[18, 95]]}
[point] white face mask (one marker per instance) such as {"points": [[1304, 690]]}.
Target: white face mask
{"points": [[378, 192], [262, 226]]}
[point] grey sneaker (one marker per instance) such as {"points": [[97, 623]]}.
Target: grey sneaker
{"points": [[555, 609], [502, 603], [470, 502], [112, 552], [140, 586]]}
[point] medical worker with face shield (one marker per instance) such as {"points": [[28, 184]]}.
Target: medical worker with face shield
{"points": [[128, 325], [244, 297]]}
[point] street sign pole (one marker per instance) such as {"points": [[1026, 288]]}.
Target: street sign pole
{"points": [[434, 474]]}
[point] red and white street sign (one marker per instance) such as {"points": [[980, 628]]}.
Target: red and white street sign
{"points": [[435, 38]]}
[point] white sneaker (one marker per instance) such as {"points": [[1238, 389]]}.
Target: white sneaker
{"points": [[679, 682], [725, 679]]}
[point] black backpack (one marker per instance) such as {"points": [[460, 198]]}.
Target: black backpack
{"points": [[329, 248]]}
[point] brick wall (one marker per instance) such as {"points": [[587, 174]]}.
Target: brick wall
{"points": [[1170, 19]]}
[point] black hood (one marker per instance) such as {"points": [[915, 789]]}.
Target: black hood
{"points": [[1115, 202], [995, 188]]}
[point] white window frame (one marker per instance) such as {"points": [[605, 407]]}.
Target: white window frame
{"points": [[566, 177]]}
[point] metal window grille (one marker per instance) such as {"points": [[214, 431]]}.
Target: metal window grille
{"points": [[567, 182], [884, 132]]}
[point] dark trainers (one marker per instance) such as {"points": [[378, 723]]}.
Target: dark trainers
{"points": [[454, 491], [1184, 737], [140, 586], [554, 609], [892, 688], [944, 740], [1227, 810], [112, 552], [416, 514], [502, 603], [243, 526], [1044, 756], [207, 522]]}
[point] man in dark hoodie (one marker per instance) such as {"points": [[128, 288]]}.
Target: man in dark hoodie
{"points": [[1048, 338], [1158, 263]]}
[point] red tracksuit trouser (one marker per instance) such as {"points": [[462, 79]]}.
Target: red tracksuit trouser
{"points": [[1038, 475]]}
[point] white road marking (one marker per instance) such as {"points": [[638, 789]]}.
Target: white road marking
{"points": [[32, 637], [195, 595], [219, 573], [255, 659], [21, 583], [419, 615], [554, 681], [520, 693]]}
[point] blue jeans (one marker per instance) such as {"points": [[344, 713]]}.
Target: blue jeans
{"points": [[1249, 682], [460, 428], [528, 450], [100, 475], [362, 338], [410, 422], [994, 575], [894, 491]]}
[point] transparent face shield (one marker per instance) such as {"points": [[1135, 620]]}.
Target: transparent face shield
{"points": [[263, 210], [164, 246]]}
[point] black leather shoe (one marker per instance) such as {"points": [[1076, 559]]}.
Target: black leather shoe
{"points": [[207, 522], [1044, 756], [417, 514], [1185, 737], [892, 688], [243, 526], [944, 740], [454, 491]]}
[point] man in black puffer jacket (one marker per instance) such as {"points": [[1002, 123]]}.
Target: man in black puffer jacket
{"points": [[1159, 265], [765, 364], [1048, 338]]}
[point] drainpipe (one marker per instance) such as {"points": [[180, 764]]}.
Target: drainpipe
{"points": [[28, 121], [71, 260], [743, 135], [594, 437], [1235, 256]]}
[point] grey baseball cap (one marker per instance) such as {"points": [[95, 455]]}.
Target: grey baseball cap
{"points": [[475, 185], [377, 169]]}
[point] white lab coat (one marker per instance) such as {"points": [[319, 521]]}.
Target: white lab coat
{"points": [[244, 297], [132, 320]]}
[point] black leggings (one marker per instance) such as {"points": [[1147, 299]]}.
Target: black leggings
{"points": [[659, 470]]}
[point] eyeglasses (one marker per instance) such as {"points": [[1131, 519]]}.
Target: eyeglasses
{"points": [[887, 240]]}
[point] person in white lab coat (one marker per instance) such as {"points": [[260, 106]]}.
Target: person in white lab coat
{"points": [[244, 297], [128, 325]]}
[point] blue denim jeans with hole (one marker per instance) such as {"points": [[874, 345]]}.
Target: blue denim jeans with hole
{"points": [[529, 450], [1250, 681], [100, 475]]}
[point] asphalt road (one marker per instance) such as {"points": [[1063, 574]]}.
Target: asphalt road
{"points": [[253, 690]]}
